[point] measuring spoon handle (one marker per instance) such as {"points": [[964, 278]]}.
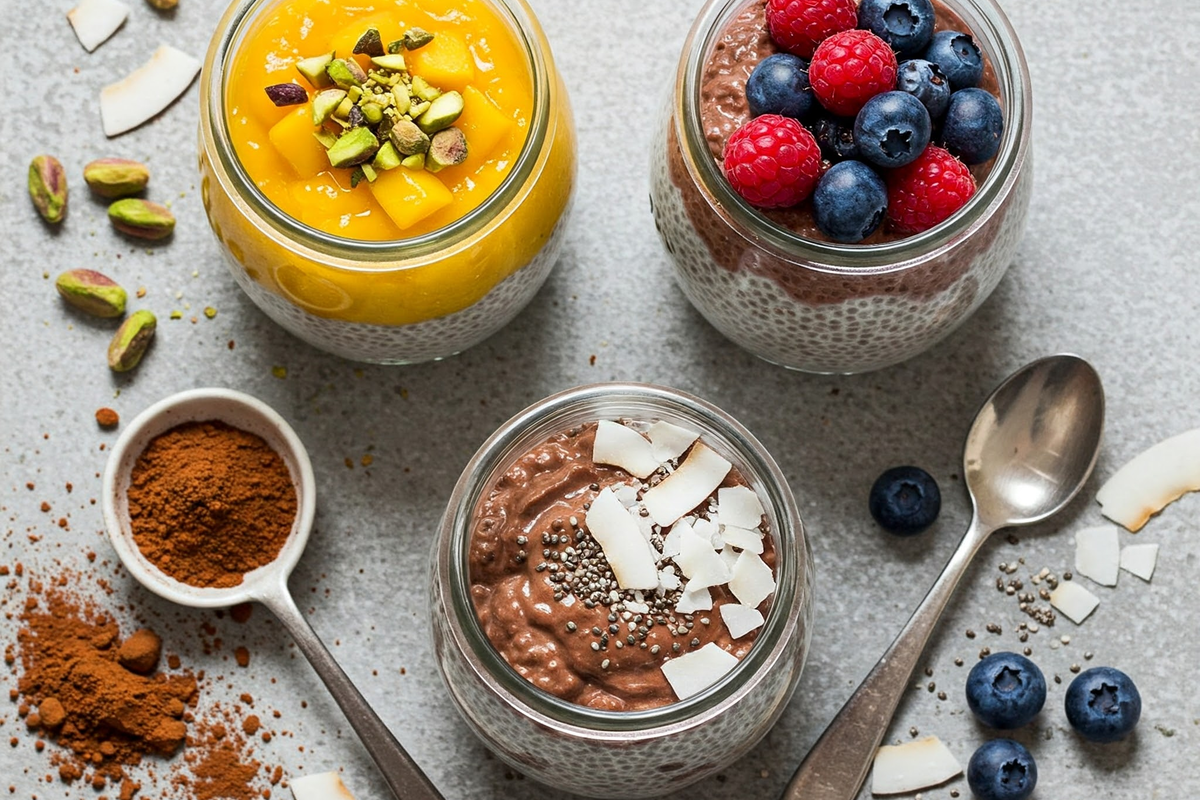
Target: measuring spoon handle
{"points": [[837, 764], [400, 772]]}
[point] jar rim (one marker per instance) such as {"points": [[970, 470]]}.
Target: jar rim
{"points": [[215, 136], [996, 36], [791, 603]]}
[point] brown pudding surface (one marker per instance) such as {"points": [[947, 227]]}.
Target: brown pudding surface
{"points": [[527, 613], [741, 45]]}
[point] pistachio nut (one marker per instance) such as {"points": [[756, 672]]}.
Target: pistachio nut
{"points": [[447, 148], [345, 73], [91, 292], [442, 112], [48, 188], [416, 162], [163, 5], [369, 44], [393, 62], [353, 147], [131, 340], [408, 138], [416, 38], [387, 157], [325, 102], [141, 219], [313, 70], [116, 177]]}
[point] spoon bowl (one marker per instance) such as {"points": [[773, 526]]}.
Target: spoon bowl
{"points": [[266, 584], [1030, 450]]}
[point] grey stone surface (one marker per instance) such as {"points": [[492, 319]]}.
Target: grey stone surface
{"points": [[1107, 270]]}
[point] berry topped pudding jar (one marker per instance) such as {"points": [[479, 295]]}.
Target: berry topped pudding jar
{"points": [[621, 591], [841, 184]]}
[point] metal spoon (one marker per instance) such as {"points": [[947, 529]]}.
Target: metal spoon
{"points": [[1030, 450], [267, 584]]}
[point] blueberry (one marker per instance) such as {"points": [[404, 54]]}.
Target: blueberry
{"points": [[1002, 770], [1103, 705], [835, 136], [892, 129], [1006, 690], [849, 202], [924, 81], [907, 25], [958, 57], [905, 500], [779, 85], [973, 125]]}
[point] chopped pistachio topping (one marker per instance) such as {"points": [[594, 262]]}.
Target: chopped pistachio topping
{"points": [[313, 70], [353, 148], [416, 38], [447, 148], [369, 44], [441, 113]]}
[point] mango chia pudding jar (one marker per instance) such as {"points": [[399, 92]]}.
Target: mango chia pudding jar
{"points": [[621, 591], [772, 280], [389, 181]]}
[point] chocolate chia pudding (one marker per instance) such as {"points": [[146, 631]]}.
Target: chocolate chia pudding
{"points": [[768, 279], [553, 584]]}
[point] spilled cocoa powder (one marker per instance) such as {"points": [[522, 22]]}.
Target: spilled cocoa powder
{"points": [[106, 705]]}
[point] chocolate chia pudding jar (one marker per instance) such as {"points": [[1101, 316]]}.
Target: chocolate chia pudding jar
{"points": [[562, 702], [767, 280]]}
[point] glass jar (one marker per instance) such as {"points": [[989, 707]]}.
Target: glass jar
{"points": [[408, 300], [580, 749], [820, 306]]}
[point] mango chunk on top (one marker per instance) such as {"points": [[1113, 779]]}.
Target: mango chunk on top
{"points": [[482, 123], [446, 62], [409, 196], [292, 136]]}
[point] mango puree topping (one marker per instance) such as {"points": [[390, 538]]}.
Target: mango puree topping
{"points": [[472, 51], [464, 54]]}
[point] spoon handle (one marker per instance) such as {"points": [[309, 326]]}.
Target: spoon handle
{"points": [[837, 764], [400, 772]]}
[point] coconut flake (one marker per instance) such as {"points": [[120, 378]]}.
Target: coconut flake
{"points": [[1140, 559], [742, 538], [95, 20], [700, 563], [670, 441], [751, 581], [674, 536], [687, 487], [730, 557], [323, 786], [667, 581], [691, 602], [1098, 554], [623, 447], [913, 766], [707, 529], [740, 619], [1152, 480], [147, 91], [1074, 601], [694, 672], [628, 553], [739, 506]]}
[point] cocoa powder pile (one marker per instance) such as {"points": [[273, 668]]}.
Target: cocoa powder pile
{"points": [[209, 502]]}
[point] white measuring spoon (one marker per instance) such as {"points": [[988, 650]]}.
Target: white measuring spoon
{"points": [[267, 584]]}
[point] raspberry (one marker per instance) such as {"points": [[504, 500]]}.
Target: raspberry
{"points": [[772, 161], [849, 68], [927, 191], [798, 26]]}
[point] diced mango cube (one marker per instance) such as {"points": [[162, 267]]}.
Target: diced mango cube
{"points": [[321, 197], [292, 136], [409, 196], [482, 123], [446, 62]]}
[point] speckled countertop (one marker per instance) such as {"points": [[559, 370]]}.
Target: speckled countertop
{"points": [[1107, 269]]}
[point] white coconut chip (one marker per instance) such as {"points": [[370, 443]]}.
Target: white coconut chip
{"points": [[740, 619], [1075, 602], [94, 21], [323, 786], [1098, 554], [700, 563], [730, 557], [687, 487], [147, 91], [667, 581], [628, 553], [694, 672], [742, 538], [691, 602], [674, 536], [1140, 560], [623, 447], [1152, 480], [670, 441], [740, 506], [707, 529], [913, 766], [751, 581]]}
